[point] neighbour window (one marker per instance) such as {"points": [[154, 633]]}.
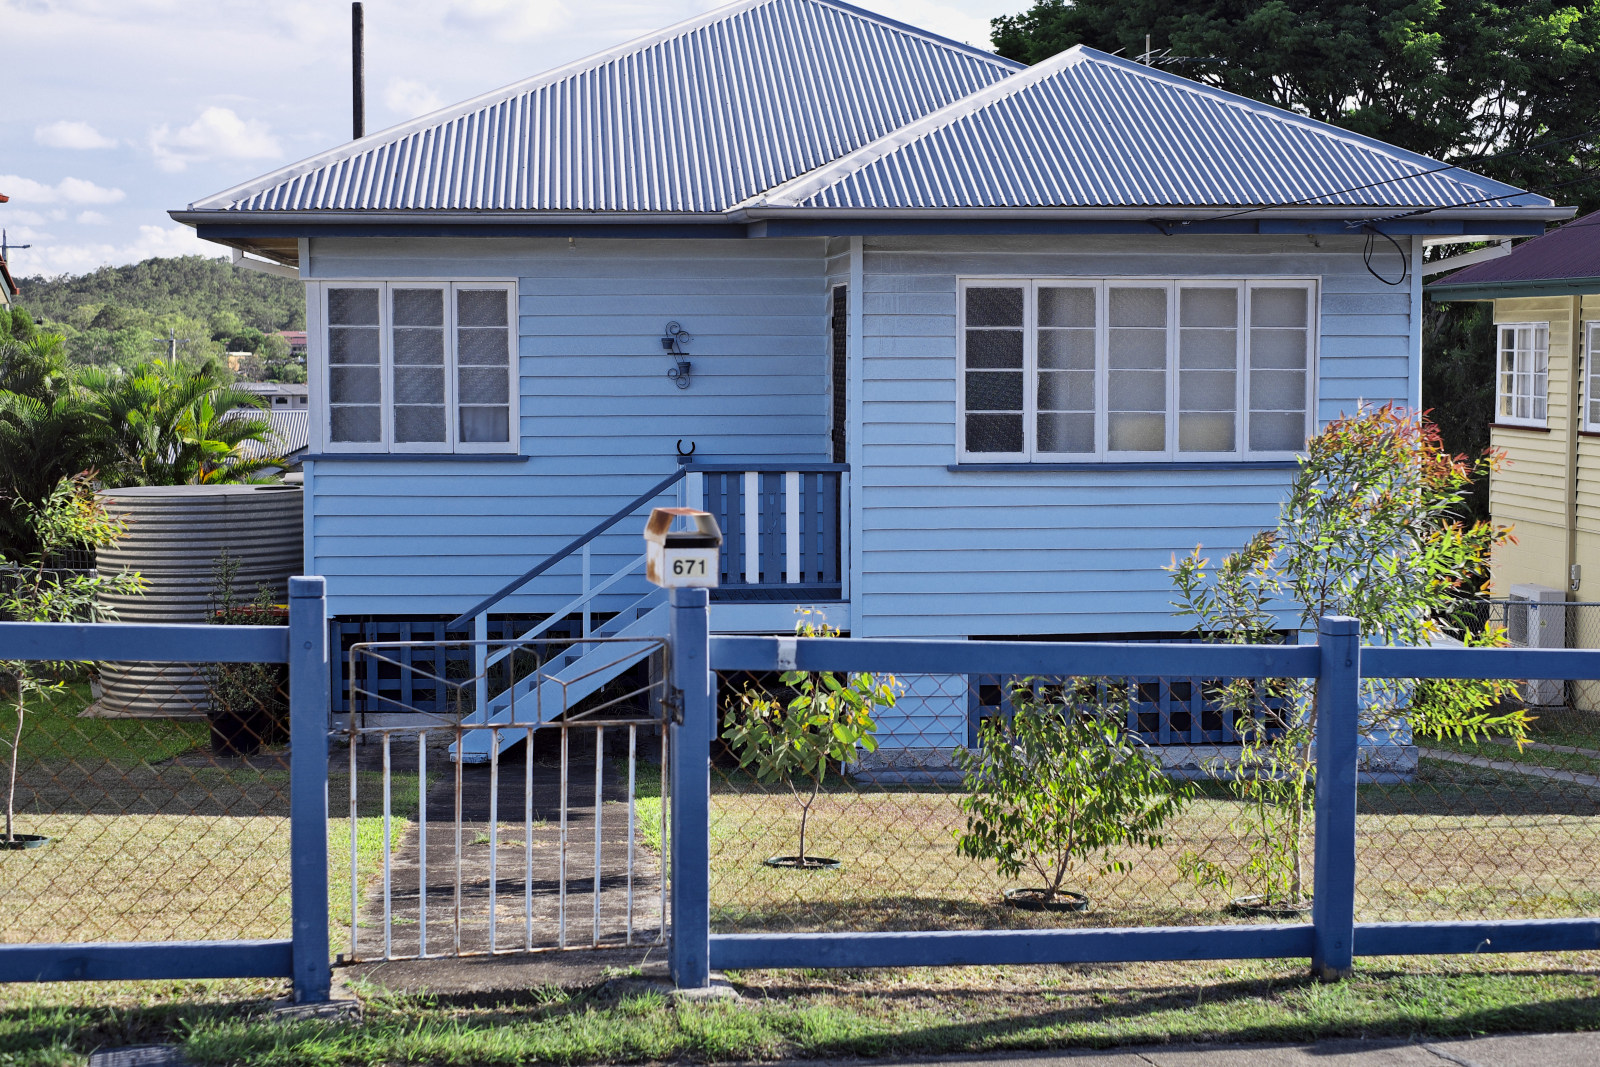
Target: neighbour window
{"points": [[1524, 368], [1591, 394], [1136, 369], [420, 367]]}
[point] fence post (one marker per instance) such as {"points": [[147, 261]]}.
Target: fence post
{"points": [[1333, 899], [308, 787], [693, 715]]}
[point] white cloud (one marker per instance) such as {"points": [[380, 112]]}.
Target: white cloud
{"points": [[66, 191], [66, 134], [219, 133], [80, 258], [510, 20], [91, 218], [408, 98], [22, 218]]}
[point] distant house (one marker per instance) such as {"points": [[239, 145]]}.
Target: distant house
{"points": [[958, 348], [289, 414], [1546, 297], [296, 340]]}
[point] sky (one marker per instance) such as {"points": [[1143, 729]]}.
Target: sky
{"points": [[113, 112]]}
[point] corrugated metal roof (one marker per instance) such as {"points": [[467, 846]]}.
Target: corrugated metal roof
{"points": [[1569, 253], [693, 119], [1085, 129], [291, 433]]}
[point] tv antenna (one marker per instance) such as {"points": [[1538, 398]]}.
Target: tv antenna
{"points": [[6, 246], [172, 341]]}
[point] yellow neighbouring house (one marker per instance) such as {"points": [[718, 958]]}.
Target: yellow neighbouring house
{"points": [[1546, 295]]}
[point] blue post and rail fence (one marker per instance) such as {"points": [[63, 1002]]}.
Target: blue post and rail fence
{"points": [[1331, 940]]}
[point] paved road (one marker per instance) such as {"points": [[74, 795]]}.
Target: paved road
{"points": [[1516, 1050]]}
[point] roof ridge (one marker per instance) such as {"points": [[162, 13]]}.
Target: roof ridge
{"points": [[509, 91], [795, 191], [804, 186]]}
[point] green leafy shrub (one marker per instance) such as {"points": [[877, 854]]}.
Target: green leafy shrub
{"points": [[249, 701], [825, 720], [1062, 784]]}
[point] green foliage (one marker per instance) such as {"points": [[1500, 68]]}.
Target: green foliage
{"points": [[70, 517], [167, 423], [1371, 529], [825, 720], [1062, 783], [113, 315], [46, 433], [253, 694]]}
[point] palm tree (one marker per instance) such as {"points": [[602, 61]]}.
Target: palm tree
{"points": [[165, 423], [47, 433]]}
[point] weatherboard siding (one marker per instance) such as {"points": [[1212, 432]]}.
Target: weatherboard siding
{"points": [[968, 553], [1529, 492], [599, 418]]}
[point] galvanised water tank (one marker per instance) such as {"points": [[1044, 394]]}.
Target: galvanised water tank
{"points": [[175, 534]]}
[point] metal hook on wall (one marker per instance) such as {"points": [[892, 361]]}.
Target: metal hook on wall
{"points": [[673, 342]]}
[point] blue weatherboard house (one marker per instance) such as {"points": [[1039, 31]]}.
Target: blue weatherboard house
{"points": [[955, 347]]}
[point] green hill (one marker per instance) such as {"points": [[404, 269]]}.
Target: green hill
{"points": [[192, 286]]}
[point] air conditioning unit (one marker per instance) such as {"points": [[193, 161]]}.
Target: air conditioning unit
{"points": [[1536, 617]]}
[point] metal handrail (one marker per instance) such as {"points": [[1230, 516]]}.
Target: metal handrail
{"points": [[517, 583]]}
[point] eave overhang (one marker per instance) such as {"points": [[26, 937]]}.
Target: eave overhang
{"points": [[1444, 291], [275, 235]]}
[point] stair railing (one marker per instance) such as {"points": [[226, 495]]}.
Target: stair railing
{"points": [[478, 614]]}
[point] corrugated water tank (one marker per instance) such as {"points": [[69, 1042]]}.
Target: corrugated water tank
{"points": [[174, 537]]}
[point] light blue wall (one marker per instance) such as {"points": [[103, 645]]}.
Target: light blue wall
{"points": [[939, 553], [956, 554], [599, 417]]}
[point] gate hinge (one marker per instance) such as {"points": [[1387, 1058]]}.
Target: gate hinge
{"points": [[672, 700]]}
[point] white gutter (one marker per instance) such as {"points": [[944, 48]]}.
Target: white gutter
{"points": [[265, 266], [1466, 259]]}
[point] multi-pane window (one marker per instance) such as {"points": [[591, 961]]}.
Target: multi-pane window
{"points": [[1522, 380], [1135, 369], [1591, 356], [419, 367]]}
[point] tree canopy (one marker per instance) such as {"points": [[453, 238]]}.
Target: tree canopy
{"points": [[117, 316]]}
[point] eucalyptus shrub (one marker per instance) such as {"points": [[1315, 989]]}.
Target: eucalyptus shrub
{"points": [[825, 720], [1062, 784], [1372, 528]]}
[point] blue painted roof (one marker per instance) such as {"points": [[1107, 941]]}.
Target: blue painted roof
{"points": [[1088, 130], [691, 119]]}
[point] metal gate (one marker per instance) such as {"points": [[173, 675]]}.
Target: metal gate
{"points": [[528, 817]]}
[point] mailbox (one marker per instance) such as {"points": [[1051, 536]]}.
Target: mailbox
{"points": [[677, 559]]}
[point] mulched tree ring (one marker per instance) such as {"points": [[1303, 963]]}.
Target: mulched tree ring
{"points": [[1257, 906], [1031, 899], [23, 841], [795, 863]]}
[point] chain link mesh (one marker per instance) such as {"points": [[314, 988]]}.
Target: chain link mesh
{"points": [[163, 793], [1447, 830]]}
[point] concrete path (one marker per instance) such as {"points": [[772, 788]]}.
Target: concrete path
{"points": [[1588, 753], [1513, 1050], [1529, 770]]}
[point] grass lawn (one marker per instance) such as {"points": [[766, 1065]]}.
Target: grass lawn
{"points": [[153, 842], [1457, 843], [820, 1014]]}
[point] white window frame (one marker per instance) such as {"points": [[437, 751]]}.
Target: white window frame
{"points": [[1102, 284], [1591, 374], [1539, 353], [318, 357]]}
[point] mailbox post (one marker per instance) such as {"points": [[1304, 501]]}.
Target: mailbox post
{"points": [[686, 563]]}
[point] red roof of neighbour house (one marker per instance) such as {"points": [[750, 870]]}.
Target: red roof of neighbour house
{"points": [[1565, 260]]}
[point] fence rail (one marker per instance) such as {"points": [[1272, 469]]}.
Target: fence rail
{"points": [[122, 787], [1529, 820]]}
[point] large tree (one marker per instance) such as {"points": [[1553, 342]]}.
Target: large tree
{"points": [[1474, 82]]}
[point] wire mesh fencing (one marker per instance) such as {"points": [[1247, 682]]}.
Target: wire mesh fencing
{"points": [[900, 828], [518, 807], [150, 802]]}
